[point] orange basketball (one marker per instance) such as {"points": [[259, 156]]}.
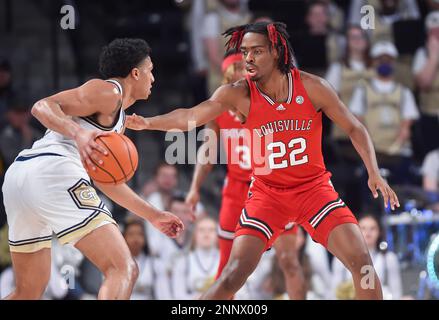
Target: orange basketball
{"points": [[120, 164]]}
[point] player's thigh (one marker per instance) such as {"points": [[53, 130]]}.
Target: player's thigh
{"points": [[346, 242], [106, 248], [31, 270], [286, 243]]}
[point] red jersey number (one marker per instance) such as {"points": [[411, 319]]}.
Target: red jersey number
{"points": [[296, 154]]}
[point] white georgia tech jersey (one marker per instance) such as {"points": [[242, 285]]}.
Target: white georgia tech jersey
{"points": [[53, 142]]}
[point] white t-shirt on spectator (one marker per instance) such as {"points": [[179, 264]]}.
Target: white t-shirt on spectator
{"points": [[333, 76], [193, 273], [358, 103]]}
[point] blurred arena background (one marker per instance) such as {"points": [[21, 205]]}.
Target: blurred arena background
{"points": [[39, 57]]}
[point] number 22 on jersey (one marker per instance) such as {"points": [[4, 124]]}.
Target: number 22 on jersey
{"points": [[279, 150]]}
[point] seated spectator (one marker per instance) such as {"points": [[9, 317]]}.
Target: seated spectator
{"points": [[160, 193], [194, 273], [347, 73], [152, 282], [387, 13], [385, 262], [227, 14], [344, 76], [168, 249], [426, 70], [388, 110], [430, 183], [18, 134], [318, 46], [336, 15]]}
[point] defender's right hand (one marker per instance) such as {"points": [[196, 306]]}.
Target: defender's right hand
{"points": [[88, 148]]}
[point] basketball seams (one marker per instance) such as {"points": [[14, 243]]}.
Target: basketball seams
{"points": [[115, 158], [107, 172]]}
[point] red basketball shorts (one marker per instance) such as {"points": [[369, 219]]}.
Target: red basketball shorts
{"points": [[270, 211], [235, 193]]}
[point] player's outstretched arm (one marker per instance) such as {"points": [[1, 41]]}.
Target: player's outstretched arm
{"points": [[124, 196], [54, 112], [185, 119], [204, 163], [326, 99]]}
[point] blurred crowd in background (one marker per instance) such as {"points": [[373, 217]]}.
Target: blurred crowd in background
{"points": [[388, 76]]}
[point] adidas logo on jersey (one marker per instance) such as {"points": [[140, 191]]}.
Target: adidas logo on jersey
{"points": [[280, 108]]}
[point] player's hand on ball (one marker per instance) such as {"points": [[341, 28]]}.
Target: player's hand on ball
{"points": [[168, 223], [192, 198], [135, 122], [89, 150], [376, 183]]}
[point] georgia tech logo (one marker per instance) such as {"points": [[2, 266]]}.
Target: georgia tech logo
{"points": [[84, 195], [88, 194]]}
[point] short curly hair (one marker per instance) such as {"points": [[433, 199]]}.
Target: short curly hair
{"points": [[118, 58]]}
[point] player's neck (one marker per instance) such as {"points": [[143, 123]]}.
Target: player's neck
{"points": [[127, 99], [274, 85]]}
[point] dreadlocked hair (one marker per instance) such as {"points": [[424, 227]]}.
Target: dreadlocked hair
{"points": [[277, 34]]}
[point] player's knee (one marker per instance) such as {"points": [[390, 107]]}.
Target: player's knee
{"points": [[131, 270], [289, 263], [358, 261], [126, 268]]}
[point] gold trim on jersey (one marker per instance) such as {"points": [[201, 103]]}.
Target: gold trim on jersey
{"points": [[81, 232], [71, 234]]}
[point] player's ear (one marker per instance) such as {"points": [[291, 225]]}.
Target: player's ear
{"points": [[275, 53], [135, 73]]}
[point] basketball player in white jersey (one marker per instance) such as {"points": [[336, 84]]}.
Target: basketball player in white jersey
{"points": [[47, 190]]}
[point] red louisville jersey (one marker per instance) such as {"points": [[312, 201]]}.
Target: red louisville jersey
{"points": [[236, 145], [285, 137]]}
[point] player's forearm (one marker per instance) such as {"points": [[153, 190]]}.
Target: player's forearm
{"points": [[179, 119], [124, 196], [50, 114], [363, 144], [185, 119]]}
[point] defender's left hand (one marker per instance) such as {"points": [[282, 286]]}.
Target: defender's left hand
{"points": [[378, 183]]}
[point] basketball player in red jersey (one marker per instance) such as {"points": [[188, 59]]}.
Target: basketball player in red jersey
{"points": [[228, 127], [282, 106]]}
